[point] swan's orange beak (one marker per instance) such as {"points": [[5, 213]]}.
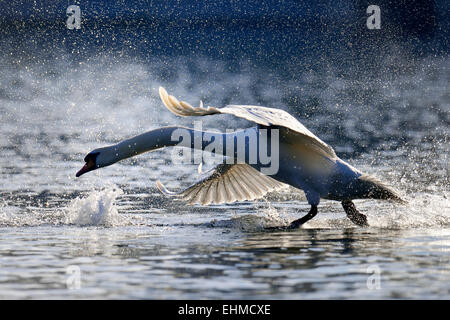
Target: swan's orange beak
{"points": [[90, 165]]}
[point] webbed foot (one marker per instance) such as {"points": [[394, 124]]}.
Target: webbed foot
{"points": [[353, 214]]}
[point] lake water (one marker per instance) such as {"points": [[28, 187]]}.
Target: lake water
{"points": [[112, 229]]}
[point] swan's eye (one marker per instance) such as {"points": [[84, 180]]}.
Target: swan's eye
{"points": [[91, 157]]}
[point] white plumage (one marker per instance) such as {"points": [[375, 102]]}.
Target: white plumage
{"points": [[228, 183], [261, 115]]}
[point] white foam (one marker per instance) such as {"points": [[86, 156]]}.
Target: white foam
{"points": [[11, 216], [422, 211], [97, 209]]}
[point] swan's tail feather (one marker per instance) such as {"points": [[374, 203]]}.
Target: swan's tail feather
{"points": [[182, 108], [379, 190]]}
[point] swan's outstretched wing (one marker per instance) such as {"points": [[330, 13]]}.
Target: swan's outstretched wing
{"points": [[261, 115], [228, 183]]}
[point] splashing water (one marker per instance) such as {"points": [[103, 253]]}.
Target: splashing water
{"points": [[97, 209], [265, 216], [424, 211], [50, 220], [10, 215]]}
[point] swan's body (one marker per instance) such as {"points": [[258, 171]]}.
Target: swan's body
{"points": [[304, 162]]}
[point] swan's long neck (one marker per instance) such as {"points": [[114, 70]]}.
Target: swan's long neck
{"points": [[151, 140], [166, 137], [228, 143]]}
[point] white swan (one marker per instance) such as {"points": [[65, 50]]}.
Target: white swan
{"points": [[305, 162]]}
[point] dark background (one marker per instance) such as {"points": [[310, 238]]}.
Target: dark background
{"points": [[350, 85], [268, 32]]}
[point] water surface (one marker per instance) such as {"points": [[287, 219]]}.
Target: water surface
{"points": [[128, 241]]}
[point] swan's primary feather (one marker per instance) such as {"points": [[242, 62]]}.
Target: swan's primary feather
{"points": [[228, 183], [261, 115]]}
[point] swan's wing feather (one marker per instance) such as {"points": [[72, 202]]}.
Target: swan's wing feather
{"points": [[182, 108], [260, 115], [228, 183], [295, 131]]}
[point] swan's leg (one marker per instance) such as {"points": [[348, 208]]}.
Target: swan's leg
{"points": [[297, 223], [353, 214]]}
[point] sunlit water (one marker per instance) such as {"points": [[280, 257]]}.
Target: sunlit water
{"points": [[128, 241]]}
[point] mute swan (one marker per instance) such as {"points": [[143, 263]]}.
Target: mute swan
{"points": [[305, 162]]}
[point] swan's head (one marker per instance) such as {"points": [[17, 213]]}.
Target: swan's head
{"points": [[98, 158]]}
